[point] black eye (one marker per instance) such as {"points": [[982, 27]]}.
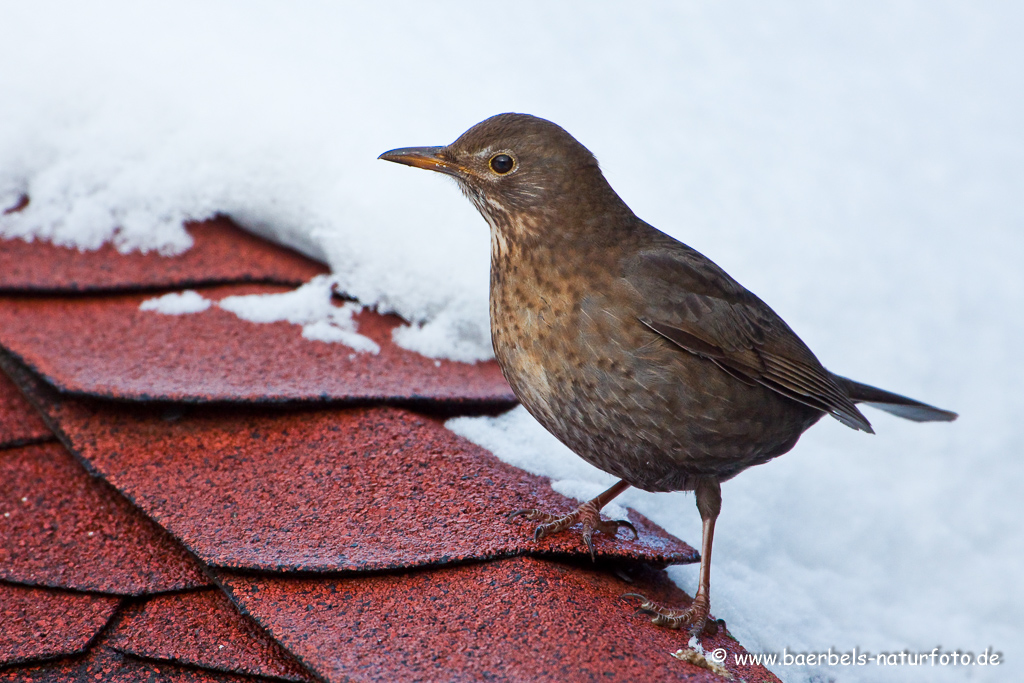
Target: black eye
{"points": [[502, 163]]}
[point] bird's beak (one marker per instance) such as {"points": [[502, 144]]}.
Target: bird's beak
{"points": [[425, 157]]}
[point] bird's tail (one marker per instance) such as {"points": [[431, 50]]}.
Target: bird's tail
{"points": [[900, 406]]}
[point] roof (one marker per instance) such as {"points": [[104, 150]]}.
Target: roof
{"points": [[199, 497]]}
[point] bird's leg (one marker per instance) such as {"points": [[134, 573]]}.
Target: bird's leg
{"points": [[695, 618], [588, 514]]}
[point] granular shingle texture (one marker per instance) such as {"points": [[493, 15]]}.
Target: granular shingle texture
{"points": [[323, 490], [38, 623], [19, 422], [202, 629], [522, 619], [106, 346], [64, 528], [221, 253], [103, 665]]}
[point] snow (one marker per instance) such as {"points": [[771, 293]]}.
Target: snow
{"points": [[857, 165], [310, 306], [177, 303]]}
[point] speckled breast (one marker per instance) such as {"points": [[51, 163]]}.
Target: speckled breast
{"points": [[623, 398]]}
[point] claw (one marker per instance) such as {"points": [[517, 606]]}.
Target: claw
{"points": [[587, 515], [588, 538], [695, 617], [643, 600], [645, 604]]}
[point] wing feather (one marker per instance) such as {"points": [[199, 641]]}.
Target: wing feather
{"points": [[694, 304]]}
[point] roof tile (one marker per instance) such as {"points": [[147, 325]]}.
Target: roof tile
{"points": [[520, 619], [64, 528], [19, 422], [221, 253], [104, 665], [41, 623], [202, 629], [106, 346], [327, 490]]}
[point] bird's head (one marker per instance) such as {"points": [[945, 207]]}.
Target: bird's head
{"points": [[520, 171]]}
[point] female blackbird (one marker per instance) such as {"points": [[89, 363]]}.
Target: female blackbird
{"points": [[637, 352]]}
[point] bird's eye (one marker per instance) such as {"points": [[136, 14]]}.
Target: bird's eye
{"points": [[502, 164]]}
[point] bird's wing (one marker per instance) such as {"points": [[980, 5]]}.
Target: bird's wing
{"points": [[692, 302]]}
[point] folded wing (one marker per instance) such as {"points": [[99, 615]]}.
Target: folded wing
{"points": [[693, 303]]}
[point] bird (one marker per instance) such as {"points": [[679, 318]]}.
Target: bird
{"points": [[636, 351]]}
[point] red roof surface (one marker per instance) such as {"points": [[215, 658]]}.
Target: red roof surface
{"points": [[353, 542], [104, 665], [19, 423], [521, 619], [323, 490], [106, 346], [222, 252], [203, 629], [43, 624], [66, 529]]}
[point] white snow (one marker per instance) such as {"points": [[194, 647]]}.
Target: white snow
{"points": [[858, 165], [310, 306], [177, 303]]}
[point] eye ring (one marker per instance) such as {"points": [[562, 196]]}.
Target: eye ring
{"points": [[502, 163]]}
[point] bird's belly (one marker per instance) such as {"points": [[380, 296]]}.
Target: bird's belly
{"points": [[633, 404]]}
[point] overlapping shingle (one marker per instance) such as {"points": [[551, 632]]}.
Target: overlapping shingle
{"points": [[203, 629], [64, 528], [106, 346], [322, 490], [104, 665], [221, 253], [38, 623], [521, 619], [19, 422]]}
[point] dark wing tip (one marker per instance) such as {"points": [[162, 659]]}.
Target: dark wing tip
{"points": [[854, 419]]}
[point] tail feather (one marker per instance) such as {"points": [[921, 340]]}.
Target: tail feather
{"points": [[895, 404]]}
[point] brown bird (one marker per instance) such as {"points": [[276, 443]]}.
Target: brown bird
{"points": [[636, 351]]}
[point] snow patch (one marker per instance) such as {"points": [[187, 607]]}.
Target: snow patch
{"points": [[177, 303], [310, 306]]}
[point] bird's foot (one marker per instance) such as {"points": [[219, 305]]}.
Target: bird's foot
{"points": [[587, 515], [694, 619]]}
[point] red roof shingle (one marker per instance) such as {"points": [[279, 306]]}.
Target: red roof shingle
{"points": [[323, 490], [104, 665], [19, 422], [106, 346], [64, 528], [221, 252], [202, 629], [40, 623], [521, 619]]}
